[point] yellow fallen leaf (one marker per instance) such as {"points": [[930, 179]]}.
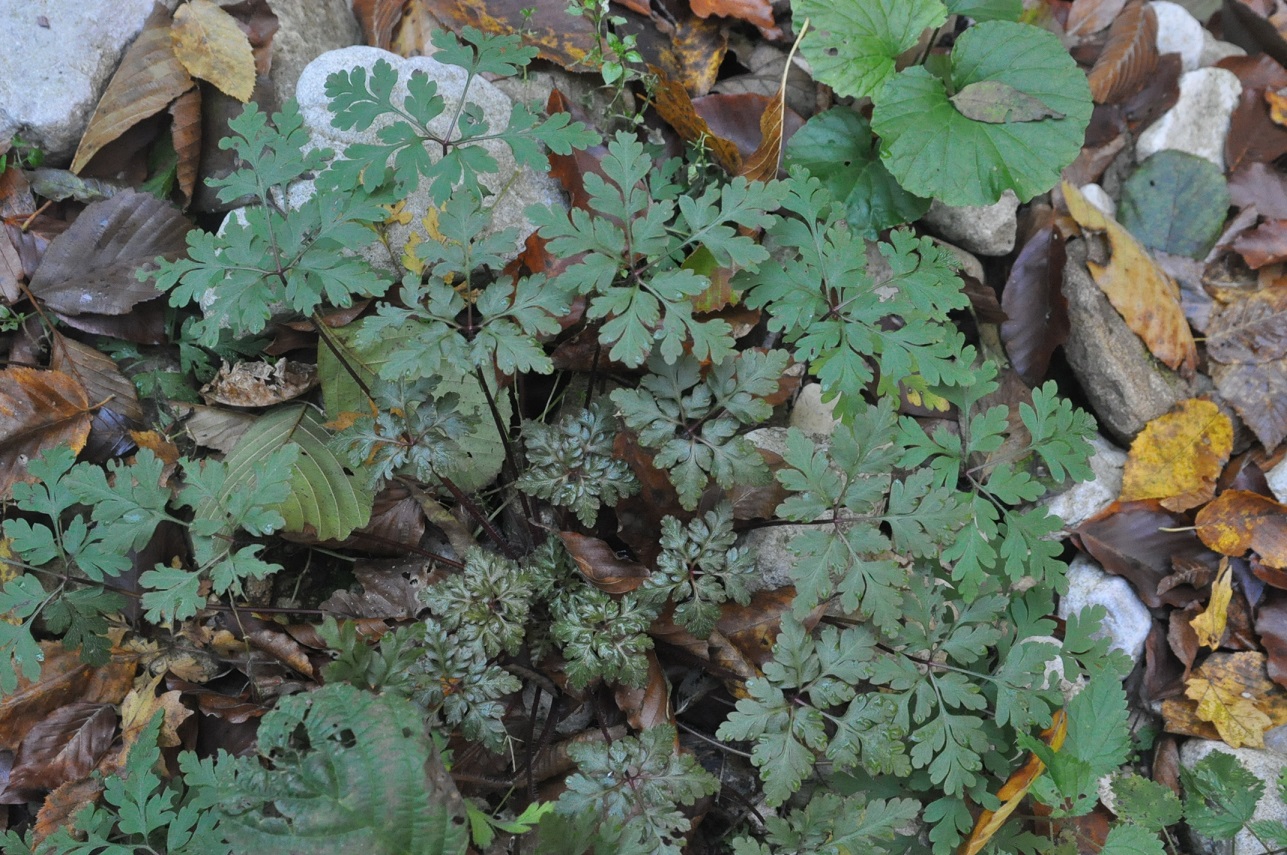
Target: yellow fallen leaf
{"points": [[1238, 520], [1178, 457], [141, 704], [1141, 292], [212, 47], [1276, 99], [1237, 719], [1210, 624]]}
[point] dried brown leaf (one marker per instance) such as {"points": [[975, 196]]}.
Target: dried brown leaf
{"points": [[1129, 57], [378, 19], [648, 705], [1036, 322], [1253, 136], [676, 107], [600, 564], [1251, 329], [39, 410], [764, 162], [185, 136], [1087, 17], [1258, 392], [148, 78], [66, 746], [212, 47], [119, 412], [1237, 521], [757, 12], [259, 384]]}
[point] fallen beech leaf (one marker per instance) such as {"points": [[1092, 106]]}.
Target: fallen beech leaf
{"points": [[1271, 627], [1239, 520], [212, 47], [120, 412], [147, 80], [142, 704], [1087, 17], [64, 747], [1036, 311], [764, 162], [63, 803], [1146, 298], [185, 136], [1210, 625], [648, 705], [64, 679], [1265, 244], [39, 410], [378, 19], [757, 12], [601, 565], [1237, 675], [1015, 789], [1128, 58], [676, 107], [1178, 457], [1258, 392], [1250, 329], [1253, 136], [1237, 719]]}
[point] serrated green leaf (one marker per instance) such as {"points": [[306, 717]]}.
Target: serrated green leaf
{"points": [[1220, 795], [1175, 202], [1146, 803], [856, 42], [935, 151], [1127, 839]]}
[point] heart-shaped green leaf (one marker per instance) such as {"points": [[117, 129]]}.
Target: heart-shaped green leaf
{"points": [[855, 42], [837, 148], [934, 150]]}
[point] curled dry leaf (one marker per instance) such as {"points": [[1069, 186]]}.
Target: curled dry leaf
{"points": [[1239, 520], [764, 162], [1015, 789], [676, 107], [378, 19], [1146, 298], [1087, 17], [149, 77], [39, 410], [259, 384], [212, 47], [1211, 623], [601, 566], [1178, 457], [1129, 57], [649, 705]]}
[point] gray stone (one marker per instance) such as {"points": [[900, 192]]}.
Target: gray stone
{"points": [[1082, 501], [769, 545], [1128, 621], [1178, 32], [811, 415], [1126, 386], [1214, 50], [517, 188], [52, 76], [1277, 478], [968, 263], [1265, 765], [1199, 121], [306, 29], [982, 230]]}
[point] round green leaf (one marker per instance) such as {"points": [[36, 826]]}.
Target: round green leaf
{"points": [[934, 150], [837, 148], [1175, 202], [855, 42]]}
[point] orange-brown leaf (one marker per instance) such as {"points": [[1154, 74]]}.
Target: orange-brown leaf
{"points": [[1141, 292], [757, 12], [601, 565], [1210, 625], [39, 410], [647, 705], [1178, 457], [763, 163], [149, 77], [378, 19], [1015, 789], [1239, 520], [105, 385], [212, 47], [1128, 58], [185, 136], [676, 107], [1087, 17]]}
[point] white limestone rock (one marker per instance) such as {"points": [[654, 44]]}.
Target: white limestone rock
{"points": [[1099, 197], [1277, 478], [982, 230], [1178, 32], [56, 59], [306, 29], [811, 415], [1214, 50], [769, 545], [517, 188], [1082, 501], [1265, 765], [1199, 121], [1128, 621]]}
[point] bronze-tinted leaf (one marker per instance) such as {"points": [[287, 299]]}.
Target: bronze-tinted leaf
{"points": [[1237, 521], [765, 161], [1036, 311], [647, 705], [676, 107], [1253, 136], [118, 410], [64, 679], [185, 136], [757, 12], [1138, 541], [66, 746], [378, 19], [149, 77], [39, 410], [600, 564], [212, 47], [1128, 58], [90, 268], [1251, 329]]}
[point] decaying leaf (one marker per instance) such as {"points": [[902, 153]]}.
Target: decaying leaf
{"points": [[1239, 520], [1015, 789], [601, 566], [185, 136], [1252, 328], [1229, 696], [1236, 718], [120, 411], [1129, 57], [39, 410], [1210, 625], [1258, 392], [764, 162], [64, 747], [260, 384], [647, 705], [141, 704], [1036, 311], [91, 267], [1178, 457], [378, 19], [676, 107], [1088, 17], [1146, 298], [757, 12], [149, 77], [212, 47], [998, 103]]}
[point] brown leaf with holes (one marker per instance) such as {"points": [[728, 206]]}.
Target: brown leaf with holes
{"points": [[676, 107], [148, 78], [1239, 520], [91, 268], [1129, 57], [601, 566], [647, 705], [212, 47], [64, 747], [1251, 329], [39, 410], [1087, 17], [1146, 298], [1178, 456], [259, 384]]}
